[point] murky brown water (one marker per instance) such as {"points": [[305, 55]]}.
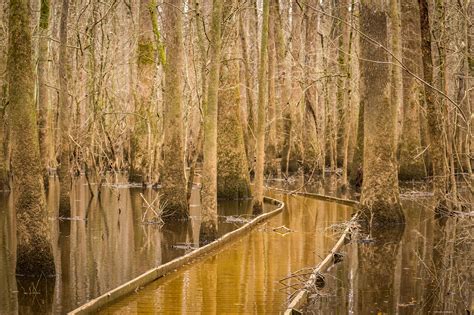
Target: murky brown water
{"points": [[424, 267], [243, 277], [101, 252]]}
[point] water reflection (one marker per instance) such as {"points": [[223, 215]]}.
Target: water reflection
{"points": [[243, 277], [101, 246], [427, 270]]}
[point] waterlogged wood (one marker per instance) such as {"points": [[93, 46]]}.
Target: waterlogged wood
{"points": [[142, 280]]}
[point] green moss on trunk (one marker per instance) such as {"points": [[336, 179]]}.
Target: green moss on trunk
{"points": [[34, 251]]}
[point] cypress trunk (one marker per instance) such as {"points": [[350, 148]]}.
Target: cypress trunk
{"points": [[262, 104], [433, 110], [173, 172], [34, 251], [411, 163], [379, 201], [64, 170], [43, 93], [140, 144], [232, 171], [209, 173]]}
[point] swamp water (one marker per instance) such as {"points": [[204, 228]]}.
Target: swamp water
{"points": [[103, 245], [243, 278], [423, 267]]}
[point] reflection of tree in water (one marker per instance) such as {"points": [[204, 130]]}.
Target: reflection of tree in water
{"points": [[448, 268], [376, 272], [8, 297]]}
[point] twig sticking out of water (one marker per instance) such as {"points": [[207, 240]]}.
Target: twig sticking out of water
{"points": [[157, 212]]}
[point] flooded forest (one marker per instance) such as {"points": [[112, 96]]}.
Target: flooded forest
{"points": [[236, 157]]}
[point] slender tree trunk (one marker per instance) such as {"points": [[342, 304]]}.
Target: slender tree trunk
{"points": [[249, 133], [4, 128], [396, 71], [311, 143], [270, 149], [209, 179], [433, 109], [140, 151], [380, 201], [347, 71], [34, 250], [64, 170], [43, 92], [262, 102], [411, 163], [173, 172]]}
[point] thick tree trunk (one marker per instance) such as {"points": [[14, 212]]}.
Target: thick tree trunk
{"points": [[43, 92], [173, 176], [34, 251], [380, 194], [411, 162], [262, 102], [232, 170], [209, 172], [64, 170]]}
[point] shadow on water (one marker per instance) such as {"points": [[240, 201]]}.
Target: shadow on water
{"points": [[101, 246], [425, 269]]}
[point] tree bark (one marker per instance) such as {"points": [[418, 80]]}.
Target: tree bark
{"points": [[140, 151], [379, 201], [209, 179], [34, 250], [262, 104], [43, 92], [412, 165], [64, 170], [173, 173], [232, 170], [433, 109]]}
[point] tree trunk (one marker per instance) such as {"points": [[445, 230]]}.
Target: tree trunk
{"points": [[433, 109], [43, 92], [379, 201], [262, 102], [209, 172], [34, 250], [232, 171], [411, 163], [64, 170], [140, 152], [173, 177]]}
